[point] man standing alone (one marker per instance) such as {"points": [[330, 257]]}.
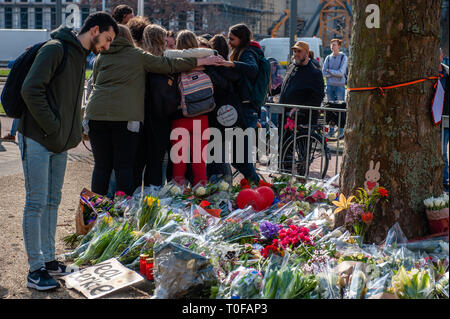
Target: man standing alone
{"points": [[51, 125], [303, 83]]}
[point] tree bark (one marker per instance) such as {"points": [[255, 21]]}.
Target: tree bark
{"points": [[395, 129]]}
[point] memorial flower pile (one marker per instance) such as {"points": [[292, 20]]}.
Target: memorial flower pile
{"points": [[289, 249]]}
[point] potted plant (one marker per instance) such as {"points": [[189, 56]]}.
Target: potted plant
{"points": [[437, 213]]}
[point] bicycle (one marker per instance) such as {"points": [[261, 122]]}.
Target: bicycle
{"points": [[318, 151]]}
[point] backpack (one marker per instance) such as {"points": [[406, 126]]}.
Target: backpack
{"points": [[261, 86], [197, 93], [11, 98]]}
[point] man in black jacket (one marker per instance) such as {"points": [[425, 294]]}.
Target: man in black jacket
{"points": [[303, 84]]}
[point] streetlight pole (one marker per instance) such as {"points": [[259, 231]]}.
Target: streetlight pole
{"points": [[292, 22], [58, 12], [140, 8]]}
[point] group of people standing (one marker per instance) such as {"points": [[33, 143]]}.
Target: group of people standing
{"points": [[132, 108], [134, 103]]}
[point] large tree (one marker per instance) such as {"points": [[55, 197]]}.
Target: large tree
{"points": [[395, 129]]}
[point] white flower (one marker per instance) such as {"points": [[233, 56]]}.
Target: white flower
{"points": [[428, 202], [331, 196], [223, 186], [445, 198], [438, 203], [175, 190], [200, 191]]}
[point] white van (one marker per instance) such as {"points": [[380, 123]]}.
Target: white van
{"points": [[278, 48]]}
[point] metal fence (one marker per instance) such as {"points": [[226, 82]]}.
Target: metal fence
{"points": [[326, 160]]}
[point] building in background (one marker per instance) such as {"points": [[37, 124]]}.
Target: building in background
{"points": [[200, 16], [37, 14]]}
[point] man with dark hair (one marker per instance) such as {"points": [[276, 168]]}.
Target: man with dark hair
{"points": [[49, 126], [123, 13], [137, 26]]}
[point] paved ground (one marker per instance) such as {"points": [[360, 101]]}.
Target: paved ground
{"points": [[13, 262]]}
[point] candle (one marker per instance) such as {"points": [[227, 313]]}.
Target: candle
{"points": [[142, 264], [149, 266]]}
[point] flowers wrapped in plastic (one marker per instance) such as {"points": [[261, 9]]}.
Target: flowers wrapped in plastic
{"points": [[181, 273], [413, 284], [286, 281], [243, 283], [123, 236], [99, 242]]}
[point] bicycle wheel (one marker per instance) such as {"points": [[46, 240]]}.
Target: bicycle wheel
{"points": [[318, 156]]}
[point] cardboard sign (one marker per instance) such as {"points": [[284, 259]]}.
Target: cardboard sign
{"points": [[102, 279]]}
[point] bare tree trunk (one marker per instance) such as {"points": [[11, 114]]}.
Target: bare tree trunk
{"points": [[395, 129]]}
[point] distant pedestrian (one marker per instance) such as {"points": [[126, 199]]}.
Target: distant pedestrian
{"points": [[335, 72], [123, 13]]}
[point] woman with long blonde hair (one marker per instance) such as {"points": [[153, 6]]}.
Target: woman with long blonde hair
{"points": [[154, 39]]}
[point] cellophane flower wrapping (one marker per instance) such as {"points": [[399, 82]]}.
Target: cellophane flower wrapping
{"points": [[181, 273], [97, 245]]}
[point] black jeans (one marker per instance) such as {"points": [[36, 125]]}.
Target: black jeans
{"points": [[157, 140], [114, 147]]}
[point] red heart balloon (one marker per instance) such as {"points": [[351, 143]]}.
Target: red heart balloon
{"points": [[247, 197], [266, 196]]}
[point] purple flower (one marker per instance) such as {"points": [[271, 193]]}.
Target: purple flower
{"points": [[269, 230], [353, 214]]}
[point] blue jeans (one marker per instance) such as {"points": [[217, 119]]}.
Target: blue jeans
{"points": [[250, 119], [112, 186], [335, 93], [44, 177], [14, 125], [445, 156]]}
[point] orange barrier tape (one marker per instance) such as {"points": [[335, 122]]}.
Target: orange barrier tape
{"points": [[381, 89]]}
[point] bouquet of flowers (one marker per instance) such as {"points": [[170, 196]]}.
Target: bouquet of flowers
{"points": [[244, 283], [413, 284], [98, 244], [142, 245], [149, 213], [122, 238], [286, 282], [359, 214], [437, 203]]}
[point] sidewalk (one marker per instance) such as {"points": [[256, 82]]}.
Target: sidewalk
{"points": [[10, 162]]}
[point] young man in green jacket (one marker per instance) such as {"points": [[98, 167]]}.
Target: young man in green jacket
{"points": [[49, 127]]}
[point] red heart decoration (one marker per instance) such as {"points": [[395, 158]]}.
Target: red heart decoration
{"points": [[247, 197], [266, 197], [371, 185]]}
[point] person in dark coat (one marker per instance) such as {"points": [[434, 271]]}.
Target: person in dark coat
{"points": [[244, 58], [303, 84]]}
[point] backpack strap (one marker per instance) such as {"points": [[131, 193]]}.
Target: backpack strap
{"points": [[64, 59]]}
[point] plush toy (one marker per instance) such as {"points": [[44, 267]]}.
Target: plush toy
{"points": [[372, 177]]}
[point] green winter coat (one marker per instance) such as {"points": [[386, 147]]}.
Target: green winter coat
{"points": [[53, 114], [119, 81]]}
